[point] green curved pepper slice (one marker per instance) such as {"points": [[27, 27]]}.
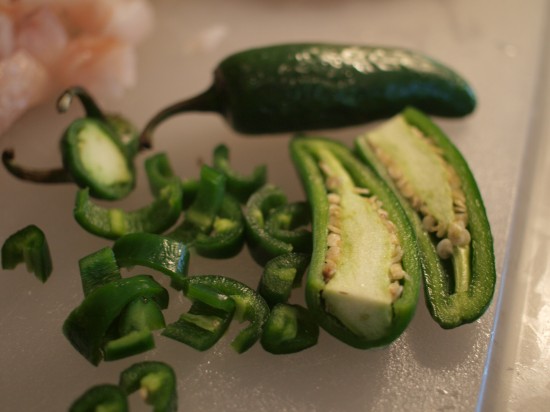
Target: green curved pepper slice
{"points": [[87, 326], [439, 193], [289, 329], [30, 246], [273, 227], [105, 397], [364, 277], [112, 222], [216, 301], [238, 185], [160, 253], [156, 382], [280, 275]]}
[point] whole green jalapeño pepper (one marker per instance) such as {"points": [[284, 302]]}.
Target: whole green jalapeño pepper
{"points": [[364, 276], [441, 198], [293, 87]]}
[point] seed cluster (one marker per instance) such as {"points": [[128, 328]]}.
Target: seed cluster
{"points": [[451, 234], [396, 272]]}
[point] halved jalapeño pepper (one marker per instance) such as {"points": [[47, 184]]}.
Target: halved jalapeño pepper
{"points": [[364, 275], [441, 198]]}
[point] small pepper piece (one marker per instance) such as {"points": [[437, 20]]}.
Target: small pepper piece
{"points": [[280, 275], [87, 325], [266, 241], [160, 253], [360, 234], [289, 329], [98, 269], [112, 223], [104, 397], [288, 223], [214, 223], [237, 184], [28, 245], [453, 231], [156, 382], [215, 299]]}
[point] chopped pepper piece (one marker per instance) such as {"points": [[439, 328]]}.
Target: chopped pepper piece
{"points": [[112, 223], [214, 298], [28, 245], [97, 152], [364, 275], [98, 269], [105, 397], [160, 253], [438, 191], [87, 325], [262, 245], [289, 329], [238, 185], [156, 382], [280, 275]]}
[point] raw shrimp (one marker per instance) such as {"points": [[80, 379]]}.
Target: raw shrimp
{"points": [[24, 82], [105, 65], [48, 45]]}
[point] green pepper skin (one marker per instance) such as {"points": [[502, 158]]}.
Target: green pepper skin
{"points": [[311, 86], [104, 397], [29, 246], [72, 160], [303, 152], [238, 185], [449, 309], [157, 379], [112, 223], [87, 325], [249, 305], [289, 329], [160, 253]]}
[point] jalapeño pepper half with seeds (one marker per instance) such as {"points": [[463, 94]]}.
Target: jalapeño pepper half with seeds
{"points": [[296, 87], [364, 275], [440, 195]]}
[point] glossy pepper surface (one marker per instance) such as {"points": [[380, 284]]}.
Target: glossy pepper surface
{"points": [[155, 380], [454, 235], [364, 277], [30, 246], [297, 87]]}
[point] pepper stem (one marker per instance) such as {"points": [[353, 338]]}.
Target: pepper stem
{"points": [[59, 175], [203, 102], [90, 106]]}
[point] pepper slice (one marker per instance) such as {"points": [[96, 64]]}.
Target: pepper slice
{"points": [[289, 329], [28, 245], [160, 253], [273, 226], [97, 151], [87, 325], [280, 275], [105, 397], [218, 299], [238, 185], [364, 276], [156, 382], [214, 223], [439, 193], [112, 223]]}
